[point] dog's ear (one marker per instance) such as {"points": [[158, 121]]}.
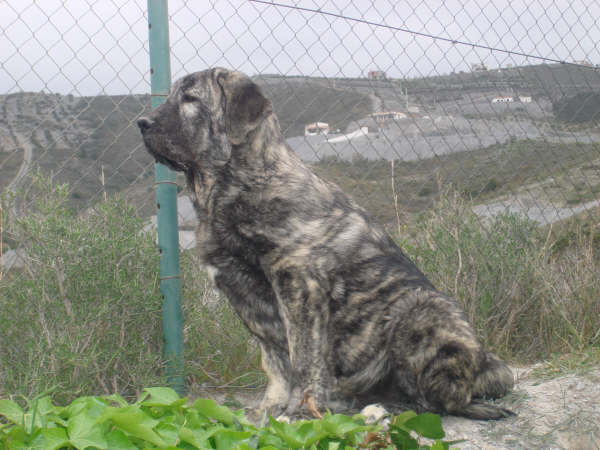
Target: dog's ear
{"points": [[245, 105]]}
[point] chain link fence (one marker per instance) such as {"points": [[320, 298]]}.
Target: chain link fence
{"points": [[449, 123]]}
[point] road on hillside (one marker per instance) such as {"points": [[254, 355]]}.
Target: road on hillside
{"points": [[27, 158]]}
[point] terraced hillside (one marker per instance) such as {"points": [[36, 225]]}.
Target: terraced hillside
{"points": [[450, 125], [78, 138]]}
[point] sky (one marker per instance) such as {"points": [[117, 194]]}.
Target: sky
{"points": [[92, 47]]}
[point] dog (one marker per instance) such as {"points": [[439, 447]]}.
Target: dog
{"points": [[339, 310]]}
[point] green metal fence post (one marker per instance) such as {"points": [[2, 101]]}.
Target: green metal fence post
{"points": [[166, 203]]}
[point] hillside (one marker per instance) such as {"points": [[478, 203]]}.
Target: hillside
{"points": [[76, 138]]}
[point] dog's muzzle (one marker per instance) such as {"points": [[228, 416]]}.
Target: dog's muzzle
{"points": [[145, 124]]}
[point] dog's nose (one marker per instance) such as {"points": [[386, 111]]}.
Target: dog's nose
{"points": [[144, 123]]}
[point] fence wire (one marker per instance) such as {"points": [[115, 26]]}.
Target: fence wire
{"points": [[482, 108]]}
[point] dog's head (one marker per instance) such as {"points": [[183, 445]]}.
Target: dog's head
{"points": [[204, 115]]}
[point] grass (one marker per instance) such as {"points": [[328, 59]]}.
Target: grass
{"points": [[530, 292], [83, 316]]}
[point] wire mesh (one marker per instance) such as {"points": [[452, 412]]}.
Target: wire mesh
{"points": [[397, 103]]}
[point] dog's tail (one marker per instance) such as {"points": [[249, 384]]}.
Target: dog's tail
{"points": [[479, 410], [454, 382], [494, 380]]}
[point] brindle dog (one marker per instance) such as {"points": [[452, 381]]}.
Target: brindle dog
{"points": [[339, 310]]}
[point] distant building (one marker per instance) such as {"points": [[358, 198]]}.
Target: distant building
{"points": [[384, 116], [478, 67], [503, 99], [583, 62], [315, 128], [525, 98], [377, 75]]}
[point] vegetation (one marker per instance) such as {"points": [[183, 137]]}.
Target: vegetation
{"points": [[578, 108], [479, 175], [530, 292], [83, 315], [160, 419], [80, 319]]}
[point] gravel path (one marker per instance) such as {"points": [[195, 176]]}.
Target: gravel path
{"points": [[558, 413]]}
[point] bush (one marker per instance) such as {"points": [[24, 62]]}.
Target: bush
{"points": [[219, 349], [76, 317], [525, 300], [84, 314]]}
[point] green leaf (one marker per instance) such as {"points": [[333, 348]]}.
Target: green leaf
{"points": [[91, 406], [168, 431], [44, 407], [341, 425], [402, 439], [85, 432], [220, 413], [55, 438], [402, 418], [197, 438], [228, 439], [11, 411], [134, 422], [286, 432], [116, 398], [439, 445], [163, 396], [117, 440], [310, 432], [427, 425]]}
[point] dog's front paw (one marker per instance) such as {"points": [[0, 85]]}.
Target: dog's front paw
{"points": [[312, 403], [260, 416]]}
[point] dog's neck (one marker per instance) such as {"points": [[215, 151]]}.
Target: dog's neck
{"points": [[265, 148]]}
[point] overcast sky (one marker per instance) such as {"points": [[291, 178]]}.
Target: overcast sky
{"points": [[87, 47]]}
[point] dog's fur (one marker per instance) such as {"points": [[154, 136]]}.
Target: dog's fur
{"points": [[338, 309]]}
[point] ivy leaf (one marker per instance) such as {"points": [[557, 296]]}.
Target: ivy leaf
{"points": [[54, 438], [427, 425], [117, 440], [227, 439], [85, 432], [135, 422], [11, 411], [210, 409], [163, 396]]}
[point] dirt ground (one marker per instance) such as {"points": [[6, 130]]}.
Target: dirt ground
{"points": [[557, 413], [561, 412]]}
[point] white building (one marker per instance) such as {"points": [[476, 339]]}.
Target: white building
{"points": [[525, 99], [315, 128], [503, 99], [384, 116]]}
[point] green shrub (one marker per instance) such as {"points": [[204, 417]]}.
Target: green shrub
{"points": [[77, 316], [525, 301], [84, 314]]}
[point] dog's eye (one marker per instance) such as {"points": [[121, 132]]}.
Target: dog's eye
{"points": [[188, 98]]}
